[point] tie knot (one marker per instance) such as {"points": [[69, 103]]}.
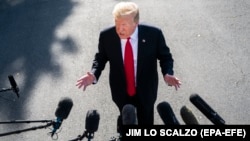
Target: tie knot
{"points": [[128, 38]]}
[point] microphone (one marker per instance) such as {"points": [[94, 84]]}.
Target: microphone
{"points": [[188, 117], [206, 110], [92, 121], [91, 125], [166, 113], [13, 85], [62, 112], [129, 115]]}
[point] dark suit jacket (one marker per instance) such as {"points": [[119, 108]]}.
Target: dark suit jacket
{"points": [[151, 48]]}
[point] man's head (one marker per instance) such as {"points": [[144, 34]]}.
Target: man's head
{"points": [[126, 17]]}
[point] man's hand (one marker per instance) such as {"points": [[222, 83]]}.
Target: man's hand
{"points": [[85, 80], [172, 81]]}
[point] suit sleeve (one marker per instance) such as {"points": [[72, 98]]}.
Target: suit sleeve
{"points": [[164, 55], [100, 58]]}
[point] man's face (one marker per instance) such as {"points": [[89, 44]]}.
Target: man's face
{"points": [[125, 26]]}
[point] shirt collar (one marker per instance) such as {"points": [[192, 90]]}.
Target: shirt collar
{"points": [[134, 36]]}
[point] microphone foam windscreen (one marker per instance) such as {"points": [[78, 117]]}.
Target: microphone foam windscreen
{"points": [[166, 113], [206, 109], [188, 117], [92, 121], [12, 81], [13, 85], [129, 115], [64, 107]]}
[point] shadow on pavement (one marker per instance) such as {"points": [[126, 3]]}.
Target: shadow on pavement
{"points": [[26, 35]]}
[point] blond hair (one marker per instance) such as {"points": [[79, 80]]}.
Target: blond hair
{"points": [[126, 8]]}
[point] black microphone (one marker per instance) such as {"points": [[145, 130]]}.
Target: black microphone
{"points": [[13, 84], [187, 116], [91, 125], [166, 113], [206, 109], [92, 121], [129, 115], [62, 112]]}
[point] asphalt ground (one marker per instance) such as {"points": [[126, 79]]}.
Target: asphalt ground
{"points": [[48, 44]]}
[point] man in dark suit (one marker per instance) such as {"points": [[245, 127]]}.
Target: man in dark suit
{"points": [[149, 47]]}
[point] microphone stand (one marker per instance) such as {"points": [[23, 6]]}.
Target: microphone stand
{"points": [[49, 123], [11, 89], [116, 139], [5, 89], [87, 134]]}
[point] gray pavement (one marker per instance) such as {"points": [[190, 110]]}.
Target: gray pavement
{"points": [[48, 44]]}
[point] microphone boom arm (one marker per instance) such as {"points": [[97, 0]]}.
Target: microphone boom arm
{"points": [[24, 121], [5, 89], [28, 129]]}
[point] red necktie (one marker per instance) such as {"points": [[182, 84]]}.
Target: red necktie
{"points": [[129, 68]]}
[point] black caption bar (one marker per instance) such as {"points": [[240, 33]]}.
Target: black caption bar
{"points": [[204, 132]]}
